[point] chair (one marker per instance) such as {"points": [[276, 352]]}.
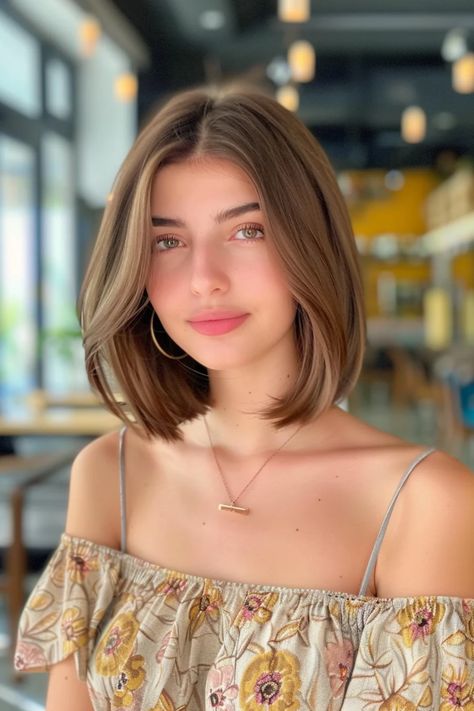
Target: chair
{"points": [[17, 475], [411, 385], [462, 396], [456, 373]]}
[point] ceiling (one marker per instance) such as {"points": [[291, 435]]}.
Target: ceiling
{"points": [[374, 58]]}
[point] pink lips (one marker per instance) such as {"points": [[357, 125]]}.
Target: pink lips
{"points": [[217, 323]]}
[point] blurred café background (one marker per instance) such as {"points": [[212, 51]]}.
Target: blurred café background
{"points": [[385, 85]]}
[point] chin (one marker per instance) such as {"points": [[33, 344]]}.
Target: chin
{"points": [[216, 356]]}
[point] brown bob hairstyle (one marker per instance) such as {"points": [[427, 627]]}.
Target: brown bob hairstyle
{"points": [[311, 232]]}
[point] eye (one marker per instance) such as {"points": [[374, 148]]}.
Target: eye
{"points": [[249, 233], [165, 244]]}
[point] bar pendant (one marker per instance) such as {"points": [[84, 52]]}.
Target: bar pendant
{"points": [[234, 509]]}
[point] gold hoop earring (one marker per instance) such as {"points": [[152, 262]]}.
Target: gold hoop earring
{"points": [[159, 348]]}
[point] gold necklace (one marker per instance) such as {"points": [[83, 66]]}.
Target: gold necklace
{"points": [[233, 499]]}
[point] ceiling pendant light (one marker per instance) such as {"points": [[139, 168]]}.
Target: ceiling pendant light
{"points": [[89, 34], [294, 10], [454, 44], [125, 87], [463, 74], [302, 60], [288, 97], [413, 124]]}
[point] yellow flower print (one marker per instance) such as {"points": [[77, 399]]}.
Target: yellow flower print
{"points": [[73, 630], [58, 571], [173, 584], [80, 562], [257, 606], [205, 606], [130, 679], [271, 682], [116, 644], [41, 601], [457, 691], [419, 620], [468, 615], [164, 703], [397, 703], [352, 607]]}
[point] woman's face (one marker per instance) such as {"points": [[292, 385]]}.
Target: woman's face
{"points": [[215, 282]]}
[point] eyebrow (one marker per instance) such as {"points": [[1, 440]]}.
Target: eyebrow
{"points": [[221, 216]]}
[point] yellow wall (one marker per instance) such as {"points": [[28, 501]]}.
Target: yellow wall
{"points": [[417, 272], [399, 211], [463, 269], [376, 211]]}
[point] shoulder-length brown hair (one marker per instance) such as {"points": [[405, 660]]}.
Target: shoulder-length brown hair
{"points": [[312, 234]]}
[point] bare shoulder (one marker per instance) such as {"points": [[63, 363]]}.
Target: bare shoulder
{"points": [[429, 546], [94, 508], [443, 493]]}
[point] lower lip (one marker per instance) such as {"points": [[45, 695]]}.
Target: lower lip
{"points": [[218, 326]]}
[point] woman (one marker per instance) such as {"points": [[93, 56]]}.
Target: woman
{"points": [[225, 551]]}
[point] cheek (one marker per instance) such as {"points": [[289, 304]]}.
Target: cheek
{"points": [[160, 290], [277, 283]]}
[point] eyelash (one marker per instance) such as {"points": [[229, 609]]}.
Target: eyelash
{"points": [[249, 226]]}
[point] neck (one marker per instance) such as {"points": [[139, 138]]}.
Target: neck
{"points": [[238, 397]]}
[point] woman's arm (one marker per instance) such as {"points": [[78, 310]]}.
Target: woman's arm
{"points": [[66, 690]]}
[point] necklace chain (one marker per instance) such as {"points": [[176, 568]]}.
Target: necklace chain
{"points": [[233, 499]]}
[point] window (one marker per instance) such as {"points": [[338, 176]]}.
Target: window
{"points": [[17, 267], [58, 89], [20, 84], [61, 340]]}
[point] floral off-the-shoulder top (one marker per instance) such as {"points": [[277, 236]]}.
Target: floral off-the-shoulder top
{"points": [[151, 639]]}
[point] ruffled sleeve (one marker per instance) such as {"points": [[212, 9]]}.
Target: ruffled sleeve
{"points": [[64, 612], [415, 653]]}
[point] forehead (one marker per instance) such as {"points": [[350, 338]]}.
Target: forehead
{"points": [[201, 178]]}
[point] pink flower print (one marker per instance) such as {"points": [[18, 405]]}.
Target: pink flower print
{"points": [[220, 690], [454, 692], [29, 656], [172, 585], [339, 659], [419, 619], [257, 606], [267, 688], [163, 647], [422, 624]]}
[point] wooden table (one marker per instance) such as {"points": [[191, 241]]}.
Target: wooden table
{"points": [[71, 422]]}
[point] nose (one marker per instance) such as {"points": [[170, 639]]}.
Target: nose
{"points": [[208, 271]]}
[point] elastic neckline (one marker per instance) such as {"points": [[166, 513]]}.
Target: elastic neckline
{"points": [[134, 561]]}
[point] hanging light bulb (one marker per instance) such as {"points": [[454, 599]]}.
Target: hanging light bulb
{"points": [[454, 45], [302, 60], [288, 97], [294, 10], [413, 124], [126, 86], [463, 74], [89, 34]]}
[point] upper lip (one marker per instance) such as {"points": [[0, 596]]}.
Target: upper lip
{"points": [[215, 315]]}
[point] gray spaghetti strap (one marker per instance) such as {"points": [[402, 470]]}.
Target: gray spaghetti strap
{"points": [[123, 510], [383, 527]]}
